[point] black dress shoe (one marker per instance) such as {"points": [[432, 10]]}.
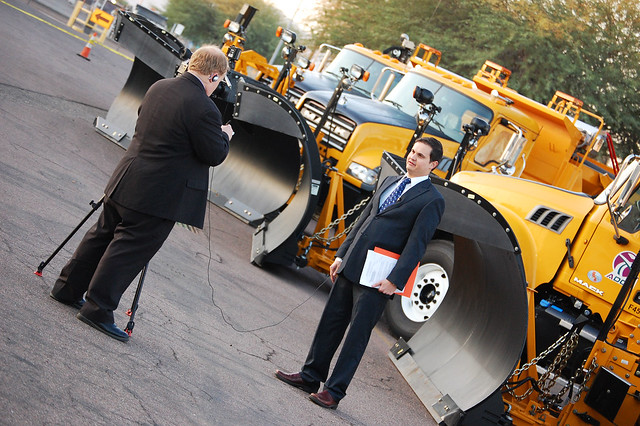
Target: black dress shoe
{"points": [[110, 330], [324, 399], [297, 381], [73, 303]]}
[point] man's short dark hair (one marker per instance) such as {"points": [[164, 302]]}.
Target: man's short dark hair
{"points": [[436, 147]]}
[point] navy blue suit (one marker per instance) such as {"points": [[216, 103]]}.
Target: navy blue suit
{"points": [[162, 179], [405, 228]]}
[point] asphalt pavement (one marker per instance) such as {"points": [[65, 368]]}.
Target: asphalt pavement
{"points": [[211, 328]]}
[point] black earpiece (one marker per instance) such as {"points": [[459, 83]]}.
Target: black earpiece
{"points": [[213, 78]]}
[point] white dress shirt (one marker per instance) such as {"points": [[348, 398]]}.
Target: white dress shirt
{"points": [[388, 191]]}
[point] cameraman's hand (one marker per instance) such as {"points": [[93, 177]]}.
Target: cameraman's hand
{"points": [[228, 130]]}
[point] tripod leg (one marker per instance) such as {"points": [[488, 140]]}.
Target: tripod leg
{"points": [[136, 298], [94, 207]]}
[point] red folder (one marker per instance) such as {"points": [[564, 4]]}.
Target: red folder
{"points": [[408, 287]]}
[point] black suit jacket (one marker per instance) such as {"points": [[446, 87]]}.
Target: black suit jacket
{"points": [[404, 228], [165, 171]]}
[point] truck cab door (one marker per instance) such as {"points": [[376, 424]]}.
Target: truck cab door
{"points": [[611, 249]]}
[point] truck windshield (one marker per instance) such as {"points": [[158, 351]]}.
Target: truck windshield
{"points": [[346, 58], [457, 109]]}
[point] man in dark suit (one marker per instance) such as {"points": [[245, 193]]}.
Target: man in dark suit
{"points": [[401, 218], [162, 179]]}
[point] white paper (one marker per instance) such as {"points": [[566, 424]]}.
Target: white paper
{"points": [[377, 267]]}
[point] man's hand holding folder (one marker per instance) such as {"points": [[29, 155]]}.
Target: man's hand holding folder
{"points": [[378, 266], [385, 286]]}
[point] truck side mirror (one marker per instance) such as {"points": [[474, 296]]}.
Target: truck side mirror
{"points": [[512, 151], [624, 185], [479, 126]]}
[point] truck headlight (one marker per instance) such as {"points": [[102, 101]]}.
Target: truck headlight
{"points": [[232, 26], [356, 72], [365, 174], [287, 36], [302, 62]]}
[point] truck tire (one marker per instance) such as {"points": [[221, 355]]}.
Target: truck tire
{"points": [[405, 315]]}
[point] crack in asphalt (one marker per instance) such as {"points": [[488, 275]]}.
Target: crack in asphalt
{"points": [[45, 96]]}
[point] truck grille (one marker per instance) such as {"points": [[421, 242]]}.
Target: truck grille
{"points": [[294, 94], [549, 218], [337, 127]]}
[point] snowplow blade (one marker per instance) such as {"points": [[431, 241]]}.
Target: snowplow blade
{"points": [[464, 353], [272, 175], [158, 54]]}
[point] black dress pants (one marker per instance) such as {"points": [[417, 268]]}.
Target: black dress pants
{"points": [[348, 304], [108, 259]]}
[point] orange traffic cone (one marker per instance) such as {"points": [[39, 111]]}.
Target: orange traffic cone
{"points": [[87, 47]]}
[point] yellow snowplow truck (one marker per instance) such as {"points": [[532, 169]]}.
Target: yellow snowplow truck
{"points": [[297, 76], [483, 125], [541, 323]]}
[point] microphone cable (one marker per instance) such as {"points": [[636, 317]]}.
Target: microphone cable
{"points": [[213, 301]]}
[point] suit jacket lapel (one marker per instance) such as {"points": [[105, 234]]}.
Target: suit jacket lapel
{"points": [[412, 193], [383, 188], [417, 190]]}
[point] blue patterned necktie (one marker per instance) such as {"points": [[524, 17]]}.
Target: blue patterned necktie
{"points": [[393, 197]]}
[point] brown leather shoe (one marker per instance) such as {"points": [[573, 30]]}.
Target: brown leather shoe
{"points": [[297, 381], [324, 399]]}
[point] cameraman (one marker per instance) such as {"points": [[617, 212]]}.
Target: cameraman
{"points": [[162, 179]]}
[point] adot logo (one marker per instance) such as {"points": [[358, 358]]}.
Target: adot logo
{"points": [[621, 266]]}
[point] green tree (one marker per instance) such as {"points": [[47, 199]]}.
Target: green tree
{"points": [[199, 18], [587, 48], [204, 19], [371, 23]]}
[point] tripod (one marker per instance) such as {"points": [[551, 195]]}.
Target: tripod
{"points": [[136, 298]]}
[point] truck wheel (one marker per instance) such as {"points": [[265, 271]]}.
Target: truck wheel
{"points": [[405, 315]]}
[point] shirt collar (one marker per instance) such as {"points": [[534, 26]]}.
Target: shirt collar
{"points": [[416, 180]]}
